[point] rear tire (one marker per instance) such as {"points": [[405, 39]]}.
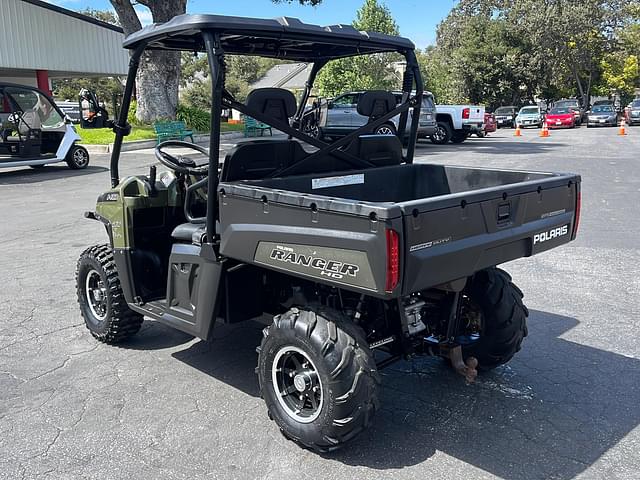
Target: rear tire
{"points": [[503, 318], [459, 136], [386, 129], [102, 303], [442, 135], [77, 157], [329, 394]]}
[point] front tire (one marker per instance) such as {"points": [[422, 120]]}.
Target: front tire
{"points": [[317, 377], [77, 157], [503, 318], [102, 303]]}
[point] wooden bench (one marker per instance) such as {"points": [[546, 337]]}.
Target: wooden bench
{"points": [[174, 130], [252, 127]]}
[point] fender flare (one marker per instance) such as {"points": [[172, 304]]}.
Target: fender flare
{"points": [[107, 224]]}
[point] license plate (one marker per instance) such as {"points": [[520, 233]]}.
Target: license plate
{"points": [[558, 122], [602, 120]]}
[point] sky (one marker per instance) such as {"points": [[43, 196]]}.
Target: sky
{"points": [[417, 19]]}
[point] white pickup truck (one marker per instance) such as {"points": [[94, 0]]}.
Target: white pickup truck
{"points": [[456, 122]]}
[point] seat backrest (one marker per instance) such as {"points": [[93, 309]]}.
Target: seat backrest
{"points": [[258, 159], [376, 103], [277, 103], [381, 150]]}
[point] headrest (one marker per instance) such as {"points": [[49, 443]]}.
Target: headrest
{"points": [[275, 102], [376, 103]]}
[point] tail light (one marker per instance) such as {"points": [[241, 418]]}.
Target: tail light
{"points": [[465, 113], [393, 260], [576, 221]]}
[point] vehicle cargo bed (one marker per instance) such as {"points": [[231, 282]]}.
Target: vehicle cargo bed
{"points": [[452, 221]]}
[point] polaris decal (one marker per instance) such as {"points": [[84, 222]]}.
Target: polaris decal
{"points": [[349, 267], [551, 234], [329, 268]]}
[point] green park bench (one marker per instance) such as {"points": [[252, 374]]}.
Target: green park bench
{"points": [[172, 130], [252, 127]]}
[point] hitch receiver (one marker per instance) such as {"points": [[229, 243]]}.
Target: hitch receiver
{"points": [[469, 369]]}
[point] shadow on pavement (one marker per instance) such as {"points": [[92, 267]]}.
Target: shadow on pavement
{"points": [[550, 413], [492, 146], [26, 175], [155, 336]]}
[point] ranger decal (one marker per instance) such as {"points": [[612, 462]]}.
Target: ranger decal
{"points": [[329, 268], [332, 264]]}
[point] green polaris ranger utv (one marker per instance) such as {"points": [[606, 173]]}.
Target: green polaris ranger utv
{"points": [[359, 256]]}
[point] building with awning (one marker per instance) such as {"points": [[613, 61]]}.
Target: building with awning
{"points": [[40, 41]]}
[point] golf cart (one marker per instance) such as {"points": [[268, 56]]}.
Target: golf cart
{"points": [[35, 132], [358, 256]]}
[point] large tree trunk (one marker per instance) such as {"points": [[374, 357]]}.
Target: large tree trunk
{"points": [[159, 73]]}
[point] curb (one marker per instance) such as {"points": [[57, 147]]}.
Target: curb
{"points": [[143, 144]]}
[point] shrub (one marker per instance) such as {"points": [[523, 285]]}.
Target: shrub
{"points": [[195, 118]]}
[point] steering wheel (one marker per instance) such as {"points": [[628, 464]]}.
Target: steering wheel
{"points": [[180, 164]]}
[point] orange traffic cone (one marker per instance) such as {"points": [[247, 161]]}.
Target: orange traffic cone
{"points": [[621, 130], [545, 130], [518, 133]]}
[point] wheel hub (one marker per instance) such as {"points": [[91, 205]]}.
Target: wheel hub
{"points": [[297, 385], [96, 294]]}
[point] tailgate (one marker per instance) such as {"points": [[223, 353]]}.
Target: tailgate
{"points": [[476, 114], [484, 228]]}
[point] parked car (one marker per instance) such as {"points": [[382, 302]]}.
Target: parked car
{"points": [[633, 112], [342, 117], [602, 115], [506, 116], [559, 117], [456, 122], [529, 116], [488, 126], [574, 105]]}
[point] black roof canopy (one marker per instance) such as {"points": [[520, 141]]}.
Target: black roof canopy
{"points": [[284, 37]]}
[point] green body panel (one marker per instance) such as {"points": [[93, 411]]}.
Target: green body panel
{"points": [[117, 206]]}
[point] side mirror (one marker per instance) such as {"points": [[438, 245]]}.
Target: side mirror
{"points": [[330, 104]]}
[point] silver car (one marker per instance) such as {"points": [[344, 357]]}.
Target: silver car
{"points": [[343, 117], [602, 116], [529, 116]]}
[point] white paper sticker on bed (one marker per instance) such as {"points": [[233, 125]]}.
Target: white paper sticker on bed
{"points": [[328, 182]]}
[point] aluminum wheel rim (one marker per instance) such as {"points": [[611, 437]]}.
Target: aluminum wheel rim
{"points": [[79, 157], [438, 134], [384, 130], [297, 384], [96, 294]]}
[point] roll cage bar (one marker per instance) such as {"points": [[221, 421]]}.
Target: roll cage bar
{"points": [[211, 42]]}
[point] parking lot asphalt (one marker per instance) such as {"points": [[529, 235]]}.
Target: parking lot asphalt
{"points": [[166, 406]]}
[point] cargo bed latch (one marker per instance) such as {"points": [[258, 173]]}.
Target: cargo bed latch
{"points": [[504, 212]]}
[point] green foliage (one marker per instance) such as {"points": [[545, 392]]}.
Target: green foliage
{"points": [[504, 52], [131, 115], [363, 72], [104, 87], [196, 118], [107, 16], [242, 71]]}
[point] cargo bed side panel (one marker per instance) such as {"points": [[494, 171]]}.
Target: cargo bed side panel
{"points": [[328, 247]]}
